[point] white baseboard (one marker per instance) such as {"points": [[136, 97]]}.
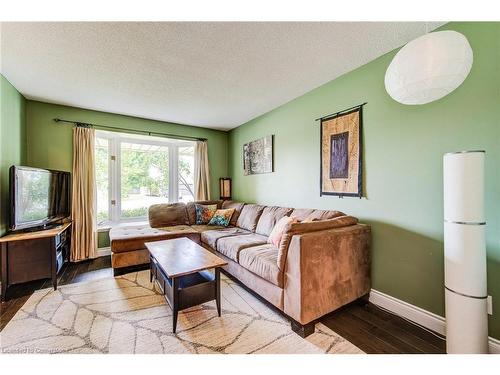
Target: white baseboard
{"points": [[420, 316], [494, 345], [416, 314], [103, 251]]}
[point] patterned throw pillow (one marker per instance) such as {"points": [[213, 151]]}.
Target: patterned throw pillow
{"points": [[222, 217], [204, 213], [279, 228]]}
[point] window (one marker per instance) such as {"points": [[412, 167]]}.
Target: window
{"points": [[133, 172], [144, 177], [102, 178], [186, 175]]}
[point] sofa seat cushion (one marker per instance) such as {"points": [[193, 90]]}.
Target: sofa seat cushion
{"points": [[269, 217], [262, 260], [129, 238], [177, 228], [231, 246], [249, 217], [204, 227], [210, 237]]}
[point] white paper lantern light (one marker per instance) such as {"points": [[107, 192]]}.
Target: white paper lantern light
{"points": [[429, 68]]}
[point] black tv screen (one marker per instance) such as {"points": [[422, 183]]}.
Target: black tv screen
{"points": [[38, 197]]}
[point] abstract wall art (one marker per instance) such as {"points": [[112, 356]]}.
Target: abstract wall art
{"points": [[258, 156]]}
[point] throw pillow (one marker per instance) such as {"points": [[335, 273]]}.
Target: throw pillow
{"points": [[222, 217], [204, 213], [279, 228]]}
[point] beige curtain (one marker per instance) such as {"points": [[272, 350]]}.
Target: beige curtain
{"points": [[201, 171], [83, 240]]}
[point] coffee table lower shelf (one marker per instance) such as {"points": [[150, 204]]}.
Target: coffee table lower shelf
{"points": [[186, 291]]}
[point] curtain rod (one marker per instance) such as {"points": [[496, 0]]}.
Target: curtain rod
{"points": [[339, 112], [115, 128]]}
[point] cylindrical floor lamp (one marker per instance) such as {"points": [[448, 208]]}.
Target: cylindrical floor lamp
{"points": [[465, 253]]}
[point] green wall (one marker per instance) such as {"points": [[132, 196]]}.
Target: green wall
{"points": [[12, 141], [103, 239], [402, 166], [50, 144]]}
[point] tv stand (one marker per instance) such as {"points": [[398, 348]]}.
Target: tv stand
{"points": [[34, 255], [37, 229]]}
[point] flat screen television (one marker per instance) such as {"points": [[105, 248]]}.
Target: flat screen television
{"points": [[38, 197]]}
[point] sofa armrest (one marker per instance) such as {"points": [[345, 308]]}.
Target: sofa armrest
{"points": [[325, 270]]}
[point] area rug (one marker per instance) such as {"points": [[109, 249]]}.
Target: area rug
{"points": [[127, 315]]}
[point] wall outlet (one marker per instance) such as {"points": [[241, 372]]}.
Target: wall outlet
{"points": [[489, 304]]}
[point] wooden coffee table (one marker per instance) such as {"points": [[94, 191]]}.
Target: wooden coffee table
{"points": [[181, 269]]}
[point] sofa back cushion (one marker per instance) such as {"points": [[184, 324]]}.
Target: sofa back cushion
{"points": [[191, 210], [167, 214], [249, 217], [269, 218], [238, 206], [299, 228], [312, 215]]}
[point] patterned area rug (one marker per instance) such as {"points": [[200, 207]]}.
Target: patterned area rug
{"points": [[126, 315]]}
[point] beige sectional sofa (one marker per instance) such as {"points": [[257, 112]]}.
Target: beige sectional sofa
{"points": [[318, 267]]}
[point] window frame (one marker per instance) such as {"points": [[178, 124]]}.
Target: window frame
{"points": [[115, 140]]}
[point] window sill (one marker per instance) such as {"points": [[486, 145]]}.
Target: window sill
{"points": [[105, 227]]}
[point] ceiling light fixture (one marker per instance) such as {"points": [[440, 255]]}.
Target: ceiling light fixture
{"points": [[429, 68]]}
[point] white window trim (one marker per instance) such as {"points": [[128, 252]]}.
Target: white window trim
{"points": [[114, 167]]}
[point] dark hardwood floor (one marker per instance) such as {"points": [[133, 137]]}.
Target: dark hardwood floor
{"points": [[374, 330], [367, 326]]}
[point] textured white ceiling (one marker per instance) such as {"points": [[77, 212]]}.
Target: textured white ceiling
{"points": [[215, 75]]}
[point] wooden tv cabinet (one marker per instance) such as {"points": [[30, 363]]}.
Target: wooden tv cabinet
{"points": [[34, 255]]}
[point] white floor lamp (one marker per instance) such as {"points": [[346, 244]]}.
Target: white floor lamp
{"points": [[465, 253]]}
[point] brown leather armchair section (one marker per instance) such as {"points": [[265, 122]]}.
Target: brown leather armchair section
{"points": [[325, 270]]}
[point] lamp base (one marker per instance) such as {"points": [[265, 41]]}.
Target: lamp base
{"points": [[466, 324]]}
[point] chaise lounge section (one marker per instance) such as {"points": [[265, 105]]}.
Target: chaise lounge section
{"points": [[319, 265]]}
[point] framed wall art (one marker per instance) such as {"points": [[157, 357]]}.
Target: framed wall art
{"points": [[258, 156], [340, 169]]}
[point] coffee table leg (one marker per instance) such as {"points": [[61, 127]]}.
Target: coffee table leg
{"points": [[217, 289], [175, 303], [150, 269]]}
